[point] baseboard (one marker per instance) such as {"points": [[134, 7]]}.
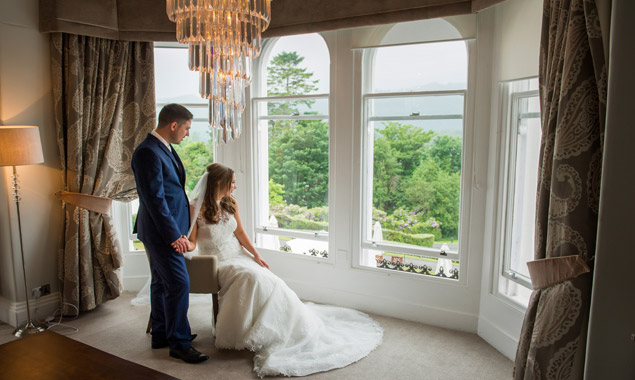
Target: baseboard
{"points": [[5, 314], [14, 313], [497, 338], [134, 284], [387, 306]]}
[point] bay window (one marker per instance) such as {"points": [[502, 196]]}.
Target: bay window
{"points": [[414, 100]]}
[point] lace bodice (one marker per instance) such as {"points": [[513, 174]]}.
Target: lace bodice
{"points": [[218, 239]]}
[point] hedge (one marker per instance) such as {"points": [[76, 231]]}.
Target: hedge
{"points": [[421, 240], [285, 221]]}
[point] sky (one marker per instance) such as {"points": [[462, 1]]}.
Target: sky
{"points": [[316, 56], [174, 79], [420, 67]]}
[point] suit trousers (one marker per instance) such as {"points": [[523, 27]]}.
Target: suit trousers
{"points": [[169, 296]]}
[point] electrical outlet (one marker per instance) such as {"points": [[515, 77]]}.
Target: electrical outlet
{"points": [[36, 292], [45, 289]]}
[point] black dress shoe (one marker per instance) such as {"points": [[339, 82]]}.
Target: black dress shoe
{"points": [[163, 343], [189, 355]]}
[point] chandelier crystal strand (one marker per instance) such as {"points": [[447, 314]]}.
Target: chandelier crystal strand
{"points": [[223, 38]]}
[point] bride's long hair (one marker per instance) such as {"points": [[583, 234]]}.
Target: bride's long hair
{"points": [[219, 180]]}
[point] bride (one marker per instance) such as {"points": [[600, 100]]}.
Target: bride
{"points": [[258, 311]]}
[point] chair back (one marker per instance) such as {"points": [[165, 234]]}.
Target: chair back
{"points": [[203, 272]]}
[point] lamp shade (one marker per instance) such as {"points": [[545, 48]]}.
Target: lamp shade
{"points": [[20, 145]]}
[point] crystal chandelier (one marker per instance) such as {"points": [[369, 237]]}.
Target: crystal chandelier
{"points": [[223, 37]]}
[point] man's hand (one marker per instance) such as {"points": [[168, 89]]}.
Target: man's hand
{"points": [[181, 244]]}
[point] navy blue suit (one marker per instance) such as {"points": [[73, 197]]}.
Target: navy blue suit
{"points": [[163, 217]]}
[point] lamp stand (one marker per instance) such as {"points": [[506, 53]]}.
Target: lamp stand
{"points": [[29, 328]]}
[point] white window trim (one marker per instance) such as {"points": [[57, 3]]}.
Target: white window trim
{"points": [[122, 218], [260, 157], [368, 168], [508, 128], [507, 272], [362, 58]]}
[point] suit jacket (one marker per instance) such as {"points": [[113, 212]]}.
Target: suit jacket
{"points": [[164, 212]]}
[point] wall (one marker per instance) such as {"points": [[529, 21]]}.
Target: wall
{"points": [[25, 99], [515, 37]]}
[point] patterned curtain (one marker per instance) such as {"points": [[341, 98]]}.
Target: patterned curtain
{"points": [[104, 106], [573, 106]]}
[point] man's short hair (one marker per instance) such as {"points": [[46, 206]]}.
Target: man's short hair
{"points": [[174, 112]]}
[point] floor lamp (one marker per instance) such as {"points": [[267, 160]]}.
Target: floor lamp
{"points": [[20, 145]]}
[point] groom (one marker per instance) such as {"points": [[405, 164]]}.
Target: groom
{"points": [[162, 222]]}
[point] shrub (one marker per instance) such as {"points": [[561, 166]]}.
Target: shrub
{"points": [[421, 240], [300, 223], [407, 221]]}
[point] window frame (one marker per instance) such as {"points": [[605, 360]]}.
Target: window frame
{"points": [[363, 59], [261, 157], [511, 117], [367, 163]]}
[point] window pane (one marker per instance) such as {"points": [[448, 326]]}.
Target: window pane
{"points": [[416, 182], [298, 173], [298, 65], [133, 244], [426, 67], [422, 30], [293, 148], [525, 182], [175, 83], [522, 133]]}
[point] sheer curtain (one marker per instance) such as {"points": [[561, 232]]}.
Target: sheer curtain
{"points": [[573, 84], [104, 106]]}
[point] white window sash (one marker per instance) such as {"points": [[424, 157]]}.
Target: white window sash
{"points": [[515, 117], [368, 138], [262, 178]]}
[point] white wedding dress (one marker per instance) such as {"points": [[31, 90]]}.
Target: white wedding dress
{"points": [[259, 312]]}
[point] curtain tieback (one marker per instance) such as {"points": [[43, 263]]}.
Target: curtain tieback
{"points": [[92, 203], [551, 271]]}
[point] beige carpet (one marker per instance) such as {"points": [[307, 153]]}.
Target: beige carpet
{"points": [[409, 351]]}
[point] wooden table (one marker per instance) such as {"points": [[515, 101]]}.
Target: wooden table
{"points": [[51, 356]]}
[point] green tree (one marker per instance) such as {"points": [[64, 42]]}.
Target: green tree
{"points": [[398, 150], [276, 191], [436, 192], [298, 150], [414, 169], [386, 176], [298, 159], [286, 77], [195, 155], [446, 150]]}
